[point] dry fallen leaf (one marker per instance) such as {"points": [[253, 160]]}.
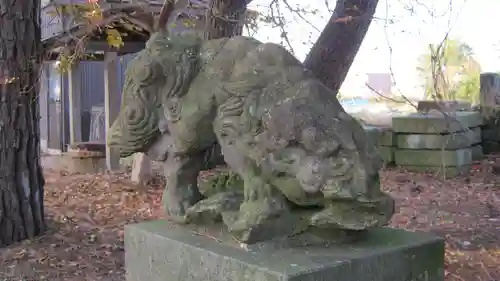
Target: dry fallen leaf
{"points": [[86, 214]]}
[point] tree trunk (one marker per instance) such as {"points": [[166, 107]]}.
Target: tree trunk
{"points": [[21, 179], [224, 18], [333, 53]]}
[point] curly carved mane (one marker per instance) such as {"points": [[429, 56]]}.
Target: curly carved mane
{"points": [[158, 74], [169, 62]]}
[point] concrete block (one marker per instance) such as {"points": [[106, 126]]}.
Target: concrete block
{"points": [[433, 158], [491, 116], [386, 153], [83, 164], [371, 131], [447, 172], [436, 123], [386, 138], [444, 106], [436, 141], [95, 146], [491, 147], [477, 153], [382, 136], [491, 134], [160, 250], [84, 158]]}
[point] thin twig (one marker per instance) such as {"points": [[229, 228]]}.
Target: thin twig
{"points": [[166, 11]]}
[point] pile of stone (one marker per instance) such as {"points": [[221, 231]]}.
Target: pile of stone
{"points": [[443, 142]]}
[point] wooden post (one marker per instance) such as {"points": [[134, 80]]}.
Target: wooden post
{"points": [[75, 104], [43, 104], [490, 89], [490, 111], [111, 104]]}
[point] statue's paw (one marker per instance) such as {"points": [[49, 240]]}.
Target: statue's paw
{"points": [[220, 180], [211, 209], [355, 215], [255, 212], [175, 211], [344, 217], [176, 205], [262, 220]]}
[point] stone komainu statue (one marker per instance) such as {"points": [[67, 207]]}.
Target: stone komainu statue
{"points": [[304, 164]]}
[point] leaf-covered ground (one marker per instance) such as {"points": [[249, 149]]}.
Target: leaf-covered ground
{"points": [[87, 214]]}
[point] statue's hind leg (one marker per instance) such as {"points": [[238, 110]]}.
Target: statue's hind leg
{"points": [[264, 213]]}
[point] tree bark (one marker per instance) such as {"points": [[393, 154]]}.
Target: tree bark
{"points": [[21, 179], [333, 53], [224, 18]]}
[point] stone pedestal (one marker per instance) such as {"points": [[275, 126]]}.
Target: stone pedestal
{"points": [[163, 251], [85, 158], [90, 163]]}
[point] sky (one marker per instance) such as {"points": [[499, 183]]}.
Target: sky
{"points": [[399, 34]]}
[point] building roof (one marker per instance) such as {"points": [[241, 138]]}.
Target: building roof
{"points": [[130, 21]]}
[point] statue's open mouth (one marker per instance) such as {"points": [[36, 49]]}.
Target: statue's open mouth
{"points": [[127, 141], [116, 142]]}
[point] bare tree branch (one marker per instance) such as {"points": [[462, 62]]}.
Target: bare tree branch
{"points": [[166, 11]]}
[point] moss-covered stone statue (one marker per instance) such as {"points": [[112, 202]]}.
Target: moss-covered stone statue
{"points": [[299, 162]]}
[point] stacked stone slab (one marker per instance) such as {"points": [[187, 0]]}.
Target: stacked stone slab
{"points": [[490, 111], [426, 106], [447, 143], [384, 138]]}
